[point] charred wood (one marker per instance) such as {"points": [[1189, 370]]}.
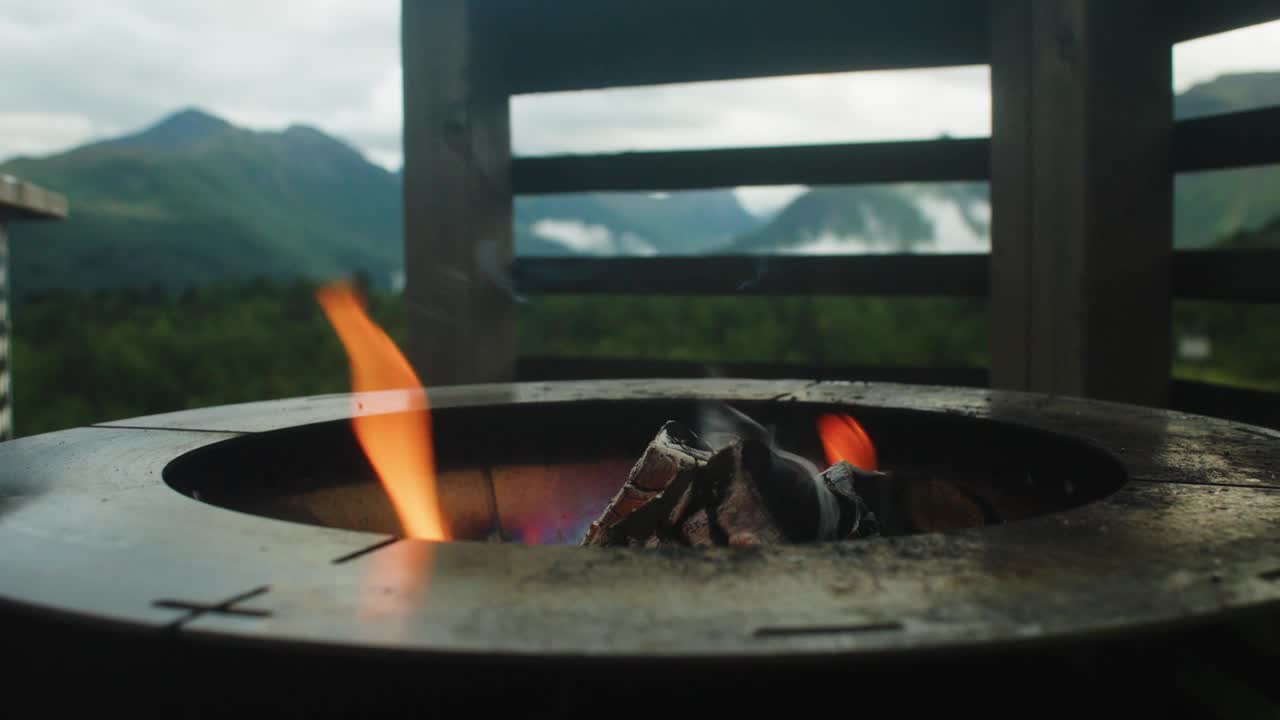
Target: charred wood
{"points": [[746, 491]]}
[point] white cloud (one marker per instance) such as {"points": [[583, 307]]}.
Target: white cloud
{"points": [[843, 107], [596, 239], [76, 71], [765, 200], [575, 235], [951, 233], [122, 65], [1247, 49], [29, 133], [830, 243]]}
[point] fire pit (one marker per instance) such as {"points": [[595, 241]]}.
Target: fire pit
{"points": [[262, 524], [540, 472]]}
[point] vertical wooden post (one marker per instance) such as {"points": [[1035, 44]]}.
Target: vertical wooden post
{"points": [[6, 382], [457, 198], [18, 201], [1081, 192]]}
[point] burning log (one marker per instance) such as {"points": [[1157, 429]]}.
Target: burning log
{"points": [[673, 453], [732, 488]]}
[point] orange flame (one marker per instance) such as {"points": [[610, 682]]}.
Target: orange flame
{"points": [[398, 444], [844, 439]]}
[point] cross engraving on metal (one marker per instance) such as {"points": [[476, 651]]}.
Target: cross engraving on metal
{"points": [[226, 607]]}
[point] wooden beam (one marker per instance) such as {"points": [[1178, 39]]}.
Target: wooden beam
{"points": [[20, 200], [557, 45], [1256, 407], [960, 275], [1218, 275], [1196, 18], [1081, 198], [1011, 262], [457, 198], [6, 377], [1239, 139], [542, 368], [847, 164], [1228, 276]]}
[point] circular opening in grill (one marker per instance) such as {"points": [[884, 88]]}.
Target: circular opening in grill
{"points": [[540, 473]]}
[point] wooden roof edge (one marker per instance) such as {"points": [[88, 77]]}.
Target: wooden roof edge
{"points": [[21, 200]]}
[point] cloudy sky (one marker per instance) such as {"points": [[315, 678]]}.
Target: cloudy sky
{"points": [[77, 71]]}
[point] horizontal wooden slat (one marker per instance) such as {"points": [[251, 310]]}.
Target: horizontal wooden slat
{"points": [[21, 200], [960, 275], [1257, 407], [1231, 276], [542, 368], [556, 45], [1197, 18], [1219, 141], [1236, 139], [1242, 275], [909, 161]]}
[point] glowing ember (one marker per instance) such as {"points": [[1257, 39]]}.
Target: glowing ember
{"points": [[398, 445], [844, 439]]}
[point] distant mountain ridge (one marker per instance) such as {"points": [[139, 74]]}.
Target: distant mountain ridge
{"points": [[1228, 93], [1211, 206], [183, 128], [952, 217], [193, 199], [943, 217], [686, 223]]}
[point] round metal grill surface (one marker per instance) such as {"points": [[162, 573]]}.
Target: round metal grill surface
{"points": [[91, 530]]}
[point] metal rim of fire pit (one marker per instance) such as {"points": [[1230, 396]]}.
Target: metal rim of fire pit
{"points": [[91, 531]]}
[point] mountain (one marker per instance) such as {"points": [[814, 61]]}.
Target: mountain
{"points": [[575, 225], [953, 217], [194, 199], [950, 217], [689, 222], [1219, 203], [685, 223], [1228, 93], [1264, 237], [184, 128], [1216, 204]]}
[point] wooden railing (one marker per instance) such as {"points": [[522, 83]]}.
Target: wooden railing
{"points": [[1231, 140], [1224, 275], [1081, 92], [845, 164], [19, 201], [1234, 140]]}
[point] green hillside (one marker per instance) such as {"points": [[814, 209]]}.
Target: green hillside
{"points": [[1218, 203], [193, 200], [1228, 93], [1214, 204]]}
